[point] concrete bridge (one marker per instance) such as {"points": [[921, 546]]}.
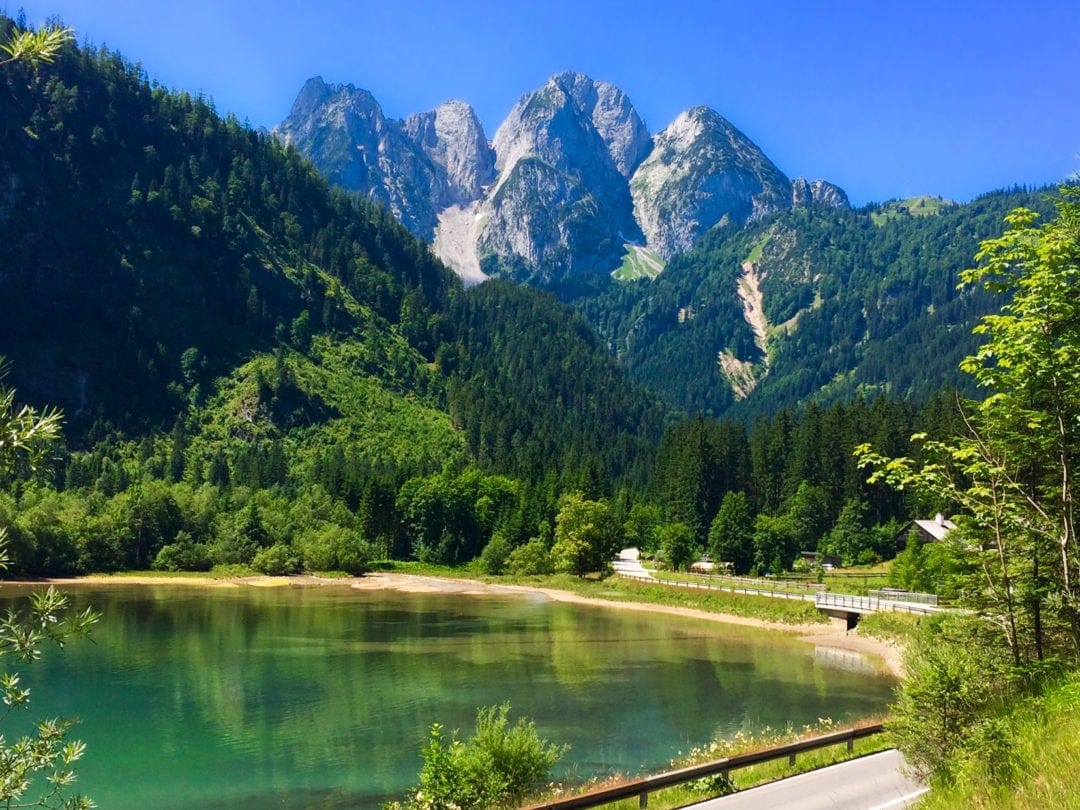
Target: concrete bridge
{"points": [[840, 606], [850, 608]]}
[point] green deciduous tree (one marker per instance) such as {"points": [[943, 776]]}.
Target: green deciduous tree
{"points": [[641, 526], [677, 544], [586, 535], [731, 535], [1013, 470], [849, 537], [530, 559], [774, 544]]}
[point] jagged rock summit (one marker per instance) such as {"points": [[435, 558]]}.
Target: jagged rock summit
{"points": [[703, 171], [570, 183], [453, 139], [561, 204], [416, 167]]}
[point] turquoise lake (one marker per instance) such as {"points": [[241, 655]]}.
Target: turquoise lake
{"points": [[301, 697]]}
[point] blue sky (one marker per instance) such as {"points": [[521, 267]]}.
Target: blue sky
{"points": [[951, 97]]}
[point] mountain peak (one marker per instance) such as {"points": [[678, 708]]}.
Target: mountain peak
{"points": [[453, 138], [314, 92], [569, 79], [702, 171], [818, 192], [571, 176]]}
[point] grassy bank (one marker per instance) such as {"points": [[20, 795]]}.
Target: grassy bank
{"points": [[1038, 759], [619, 589], [891, 626]]}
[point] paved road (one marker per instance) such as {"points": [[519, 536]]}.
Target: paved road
{"points": [[870, 783], [628, 564]]}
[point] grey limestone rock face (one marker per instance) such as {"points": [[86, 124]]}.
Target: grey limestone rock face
{"points": [[571, 176], [702, 171], [561, 204], [453, 139], [416, 168], [819, 192], [528, 239], [616, 121]]}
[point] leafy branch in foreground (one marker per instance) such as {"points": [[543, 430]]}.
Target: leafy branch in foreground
{"points": [[1012, 472], [25, 438], [36, 47]]}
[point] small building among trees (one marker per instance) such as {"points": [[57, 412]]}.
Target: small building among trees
{"points": [[924, 531]]}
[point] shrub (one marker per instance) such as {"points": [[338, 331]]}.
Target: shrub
{"points": [[183, 555], [530, 559], [498, 767], [495, 554], [957, 679], [277, 560], [353, 552]]}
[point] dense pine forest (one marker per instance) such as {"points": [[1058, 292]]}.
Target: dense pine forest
{"points": [[856, 301]]}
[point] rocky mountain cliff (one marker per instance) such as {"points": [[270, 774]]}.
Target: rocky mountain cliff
{"points": [[570, 183], [703, 171], [416, 167], [561, 203]]}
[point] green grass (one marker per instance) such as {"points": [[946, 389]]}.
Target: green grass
{"points": [[421, 569], [619, 589], [1045, 751], [637, 263], [755, 253], [218, 572], [924, 206], [891, 626], [799, 586], [858, 580]]}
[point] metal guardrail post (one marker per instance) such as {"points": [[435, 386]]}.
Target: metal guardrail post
{"points": [[641, 787]]}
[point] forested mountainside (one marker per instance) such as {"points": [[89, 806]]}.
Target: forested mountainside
{"points": [[166, 265], [814, 304], [515, 375], [151, 245]]}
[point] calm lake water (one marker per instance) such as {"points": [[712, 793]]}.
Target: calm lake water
{"points": [[323, 696]]}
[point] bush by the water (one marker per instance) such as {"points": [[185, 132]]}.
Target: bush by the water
{"points": [[497, 767]]}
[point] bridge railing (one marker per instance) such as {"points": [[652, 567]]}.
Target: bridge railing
{"points": [[650, 784], [867, 604], [766, 584], [893, 595]]}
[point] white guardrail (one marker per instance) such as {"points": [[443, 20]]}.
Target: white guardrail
{"points": [[869, 604]]}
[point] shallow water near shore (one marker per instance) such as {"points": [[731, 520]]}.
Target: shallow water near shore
{"points": [[301, 697]]}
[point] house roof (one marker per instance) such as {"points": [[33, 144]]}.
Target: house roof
{"points": [[936, 528]]}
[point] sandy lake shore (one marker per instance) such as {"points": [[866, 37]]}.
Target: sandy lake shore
{"points": [[832, 635]]}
